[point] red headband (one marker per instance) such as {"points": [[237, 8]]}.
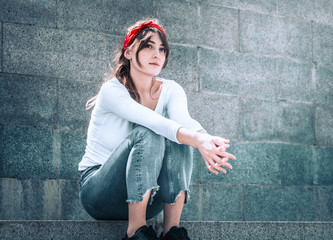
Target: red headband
{"points": [[130, 37]]}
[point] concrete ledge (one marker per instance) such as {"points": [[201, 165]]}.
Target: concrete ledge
{"points": [[14, 230]]}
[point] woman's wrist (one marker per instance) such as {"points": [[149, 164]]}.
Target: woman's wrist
{"points": [[188, 137]]}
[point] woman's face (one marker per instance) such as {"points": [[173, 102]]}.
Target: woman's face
{"points": [[151, 57]]}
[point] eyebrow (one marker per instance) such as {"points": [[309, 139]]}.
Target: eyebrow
{"points": [[155, 42]]}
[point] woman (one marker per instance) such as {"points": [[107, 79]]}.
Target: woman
{"points": [[138, 159]]}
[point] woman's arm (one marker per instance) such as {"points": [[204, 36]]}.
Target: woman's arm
{"points": [[211, 148]]}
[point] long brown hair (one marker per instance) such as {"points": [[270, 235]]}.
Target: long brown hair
{"points": [[122, 69]]}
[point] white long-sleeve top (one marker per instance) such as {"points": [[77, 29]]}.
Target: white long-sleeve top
{"points": [[115, 113]]}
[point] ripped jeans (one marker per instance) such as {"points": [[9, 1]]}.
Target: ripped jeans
{"points": [[143, 161]]}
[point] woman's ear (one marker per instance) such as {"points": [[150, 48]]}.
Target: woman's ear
{"points": [[127, 54]]}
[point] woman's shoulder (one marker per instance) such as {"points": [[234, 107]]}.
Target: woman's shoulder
{"points": [[112, 83]]}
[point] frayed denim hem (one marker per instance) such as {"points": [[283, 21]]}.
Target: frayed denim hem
{"points": [[151, 198], [187, 197]]}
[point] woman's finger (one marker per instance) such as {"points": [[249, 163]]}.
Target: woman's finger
{"points": [[210, 167], [219, 168], [228, 155]]}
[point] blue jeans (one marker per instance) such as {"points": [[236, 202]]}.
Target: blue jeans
{"points": [[143, 161]]}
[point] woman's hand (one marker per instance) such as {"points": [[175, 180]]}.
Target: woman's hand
{"points": [[213, 151]]}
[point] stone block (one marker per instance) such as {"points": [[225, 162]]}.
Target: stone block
{"points": [[322, 43], [324, 168], [56, 53], [270, 203], [70, 206], [35, 12], [183, 67], [277, 121], [325, 204], [296, 165], [324, 125], [219, 27], [265, 34], [1, 150], [221, 202], [1, 47], [180, 19], [197, 165], [231, 73], [191, 210], [72, 145], [259, 119], [295, 81], [32, 199], [28, 153], [296, 123], [218, 114], [71, 109], [324, 85], [103, 15], [317, 11], [257, 163], [256, 5], [28, 100]]}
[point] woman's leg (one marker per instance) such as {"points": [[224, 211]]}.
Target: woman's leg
{"points": [[174, 181], [128, 175]]}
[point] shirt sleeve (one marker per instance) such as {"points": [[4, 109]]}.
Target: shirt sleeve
{"points": [[177, 108], [115, 98]]}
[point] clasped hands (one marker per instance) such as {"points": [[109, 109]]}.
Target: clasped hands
{"points": [[213, 151]]}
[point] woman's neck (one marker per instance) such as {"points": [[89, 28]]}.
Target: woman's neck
{"points": [[143, 83]]}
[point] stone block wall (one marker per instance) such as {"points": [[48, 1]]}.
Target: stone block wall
{"points": [[257, 72]]}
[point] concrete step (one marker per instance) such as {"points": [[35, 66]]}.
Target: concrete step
{"points": [[84, 230]]}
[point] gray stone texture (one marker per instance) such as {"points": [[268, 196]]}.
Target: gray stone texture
{"points": [[34, 12], [1, 43], [204, 107], [257, 163], [102, 15], [296, 165], [32, 199], [271, 203], [266, 34], [73, 96], [112, 230], [324, 85], [29, 100], [219, 27], [308, 10], [180, 19], [277, 121], [323, 43], [247, 75], [72, 146], [52, 52], [182, 67], [28, 153], [324, 125], [265, 6], [324, 167], [325, 199]]}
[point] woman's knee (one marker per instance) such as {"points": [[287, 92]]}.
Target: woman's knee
{"points": [[149, 138]]}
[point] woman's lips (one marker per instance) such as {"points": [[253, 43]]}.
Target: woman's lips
{"points": [[154, 64]]}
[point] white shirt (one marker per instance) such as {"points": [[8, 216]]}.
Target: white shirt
{"points": [[115, 112]]}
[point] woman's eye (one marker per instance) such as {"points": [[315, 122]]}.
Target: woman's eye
{"points": [[162, 49], [149, 46]]}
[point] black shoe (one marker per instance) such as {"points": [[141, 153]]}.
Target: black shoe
{"points": [[143, 233], [176, 233]]}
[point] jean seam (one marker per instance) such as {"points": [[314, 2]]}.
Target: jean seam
{"points": [[169, 172]]}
